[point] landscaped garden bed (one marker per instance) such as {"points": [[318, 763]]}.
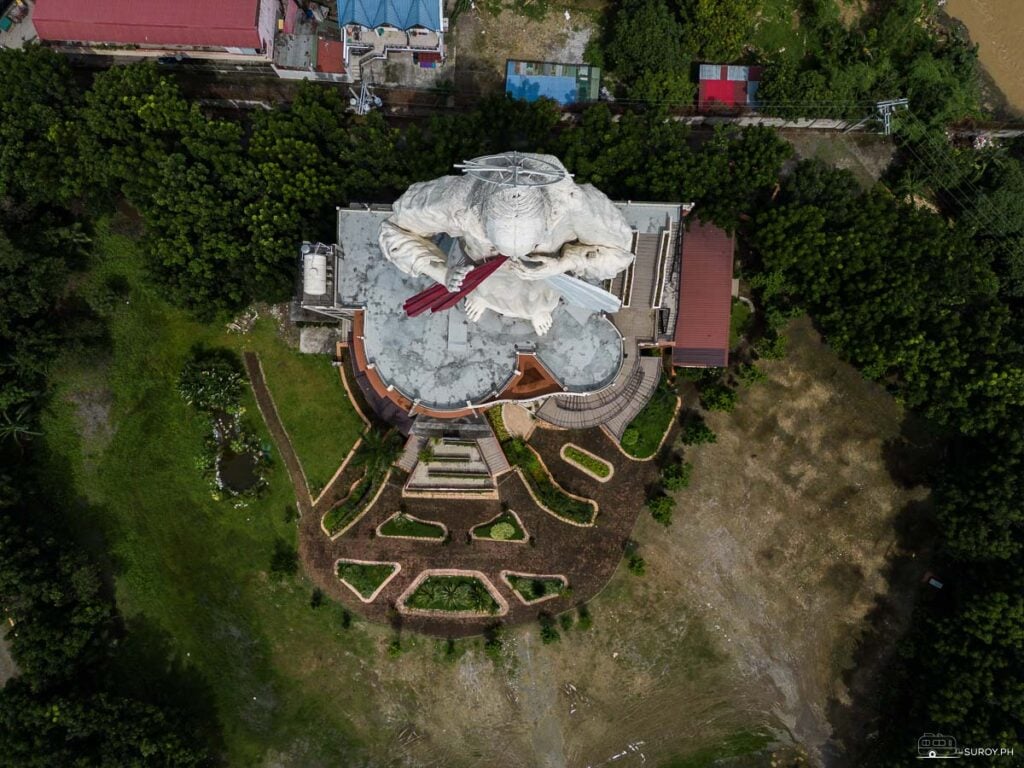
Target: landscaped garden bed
{"points": [[452, 594], [535, 588], [645, 434], [405, 526], [366, 578], [587, 462], [548, 493], [505, 527], [374, 456]]}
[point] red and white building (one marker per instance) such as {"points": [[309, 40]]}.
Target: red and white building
{"points": [[233, 30]]}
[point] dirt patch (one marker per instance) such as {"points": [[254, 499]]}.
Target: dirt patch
{"points": [[866, 156], [518, 421], [484, 41], [787, 530], [92, 410]]}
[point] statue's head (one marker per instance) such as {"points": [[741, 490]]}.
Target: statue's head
{"points": [[516, 219]]}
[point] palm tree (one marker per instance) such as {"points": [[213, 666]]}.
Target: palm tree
{"points": [[17, 427], [379, 451]]}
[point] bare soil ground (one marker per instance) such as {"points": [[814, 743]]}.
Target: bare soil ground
{"points": [[485, 40], [741, 629], [866, 156]]}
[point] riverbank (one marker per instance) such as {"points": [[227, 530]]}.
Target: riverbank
{"points": [[997, 26]]}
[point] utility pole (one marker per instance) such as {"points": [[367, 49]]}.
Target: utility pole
{"points": [[884, 110], [365, 101]]}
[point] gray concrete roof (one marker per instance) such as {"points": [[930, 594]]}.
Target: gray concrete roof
{"points": [[446, 361]]}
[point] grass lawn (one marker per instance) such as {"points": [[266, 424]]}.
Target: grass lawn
{"points": [[311, 401], [401, 525], [778, 29], [194, 572], [484, 531], [363, 578], [644, 433]]}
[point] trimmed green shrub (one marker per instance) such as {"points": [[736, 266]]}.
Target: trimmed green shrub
{"points": [[502, 524], [598, 466], [503, 531]]}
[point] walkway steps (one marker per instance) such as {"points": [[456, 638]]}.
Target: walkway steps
{"points": [[493, 456], [410, 453], [614, 408]]}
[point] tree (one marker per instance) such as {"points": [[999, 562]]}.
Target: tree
{"points": [[645, 44], [76, 729], [695, 430], [676, 475], [133, 118], [718, 397], [717, 30], [661, 508], [35, 113]]}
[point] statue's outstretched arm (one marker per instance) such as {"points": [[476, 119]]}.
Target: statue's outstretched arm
{"points": [[412, 253], [424, 210], [604, 237]]}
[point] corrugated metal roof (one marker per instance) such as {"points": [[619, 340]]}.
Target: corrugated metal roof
{"points": [[199, 23], [705, 297], [401, 14], [710, 71], [736, 72]]}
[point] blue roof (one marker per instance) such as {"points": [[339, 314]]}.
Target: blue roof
{"points": [[403, 14]]}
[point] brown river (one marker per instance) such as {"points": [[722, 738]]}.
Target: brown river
{"points": [[998, 28]]}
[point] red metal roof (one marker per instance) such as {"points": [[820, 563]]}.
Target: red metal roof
{"points": [[705, 297], [198, 23], [726, 92], [329, 56]]}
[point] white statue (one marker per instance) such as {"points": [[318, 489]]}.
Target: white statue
{"points": [[526, 207]]}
